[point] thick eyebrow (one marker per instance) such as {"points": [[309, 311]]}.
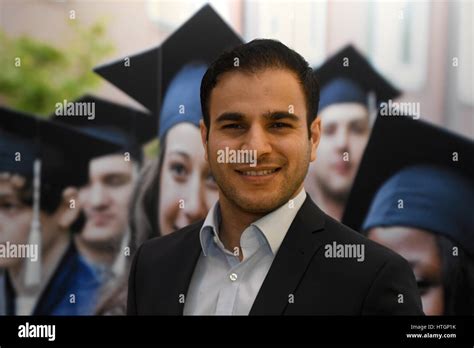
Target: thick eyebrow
{"points": [[230, 116], [280, 115], [114, 174], [270, 115]]}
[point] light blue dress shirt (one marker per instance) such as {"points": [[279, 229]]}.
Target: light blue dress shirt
{"points": [[222, 284]]}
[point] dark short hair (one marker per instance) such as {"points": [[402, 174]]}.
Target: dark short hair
{"points": [[50, 196], [255, 56]]}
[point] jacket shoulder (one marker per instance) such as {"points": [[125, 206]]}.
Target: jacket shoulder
{"points": [[170, 243], [375, 252]]}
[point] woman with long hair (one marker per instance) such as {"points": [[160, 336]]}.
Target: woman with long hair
{"points": [[177, 188]]}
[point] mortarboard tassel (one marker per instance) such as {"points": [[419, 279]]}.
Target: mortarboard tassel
{"points": [[119, 264], [33, 268], [372, 107]]}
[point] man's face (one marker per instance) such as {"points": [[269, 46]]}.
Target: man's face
{"points": [[15, 217], [106, 198], [345, 132], [266, 112]]}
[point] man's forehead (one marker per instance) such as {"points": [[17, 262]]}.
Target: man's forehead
{"points": [[344, 112], [258, 93], [110, 163], [271, 73]]}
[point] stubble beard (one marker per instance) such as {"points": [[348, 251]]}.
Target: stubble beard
{"points": [[261, 205]]}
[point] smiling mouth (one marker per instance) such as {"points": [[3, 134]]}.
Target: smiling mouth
{"points": [[257, 172], [100, 219]]}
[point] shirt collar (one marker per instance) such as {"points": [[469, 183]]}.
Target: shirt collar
{"points": [[210, 227], [274, 225]]}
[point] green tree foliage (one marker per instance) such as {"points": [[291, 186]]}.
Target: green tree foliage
{"points": [[35, 75]]}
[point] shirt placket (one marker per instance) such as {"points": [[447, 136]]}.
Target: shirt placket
{"points": [[228, 292]]}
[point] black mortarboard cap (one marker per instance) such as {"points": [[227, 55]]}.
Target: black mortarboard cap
{"points": [[402, 158], [129, 128], [348, 76], [200, 39], [64, 152]]}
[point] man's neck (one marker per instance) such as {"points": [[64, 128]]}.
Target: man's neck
{"points": [[50, 260], [331, 206], [234, 221], [97, 254]]}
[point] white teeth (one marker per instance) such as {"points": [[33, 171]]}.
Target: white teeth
{"points": [[259, 172]]}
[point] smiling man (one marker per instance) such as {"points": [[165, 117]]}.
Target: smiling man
{"points": [[263, 247]]}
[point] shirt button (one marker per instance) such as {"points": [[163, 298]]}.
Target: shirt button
{"points": [[233, 277]]}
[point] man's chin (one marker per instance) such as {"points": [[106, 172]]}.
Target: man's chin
{"points": [[99, 235], [258, 205], [339, 191]]}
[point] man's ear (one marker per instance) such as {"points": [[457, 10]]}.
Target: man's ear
{"points": [[315, 135], [203, 129], [68, 210]]}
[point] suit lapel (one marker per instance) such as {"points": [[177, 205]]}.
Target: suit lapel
{"points": [[299, 245], [58, 285], [183, 269]]}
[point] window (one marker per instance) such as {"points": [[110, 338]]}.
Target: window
{"points": [[170, 14], [301, 25], [398, 41], [465, 73]]}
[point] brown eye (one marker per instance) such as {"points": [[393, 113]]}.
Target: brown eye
{"points": [[359, 128], [9, 207], [179, 171], [329, 129], [116, 180], [279, 125], [6, 205], [232, 126]]}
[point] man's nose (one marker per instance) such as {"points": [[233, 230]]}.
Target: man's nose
{"points": [[342, 139], [257, 139], [97, 196]]}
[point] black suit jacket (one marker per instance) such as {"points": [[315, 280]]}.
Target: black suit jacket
{"points": [[382, 284]]}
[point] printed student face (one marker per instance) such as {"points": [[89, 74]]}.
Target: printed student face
{"points": [[345, 132], [263, 112], [187, 187], [15, 219], [105, 199], [420, 249]]}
